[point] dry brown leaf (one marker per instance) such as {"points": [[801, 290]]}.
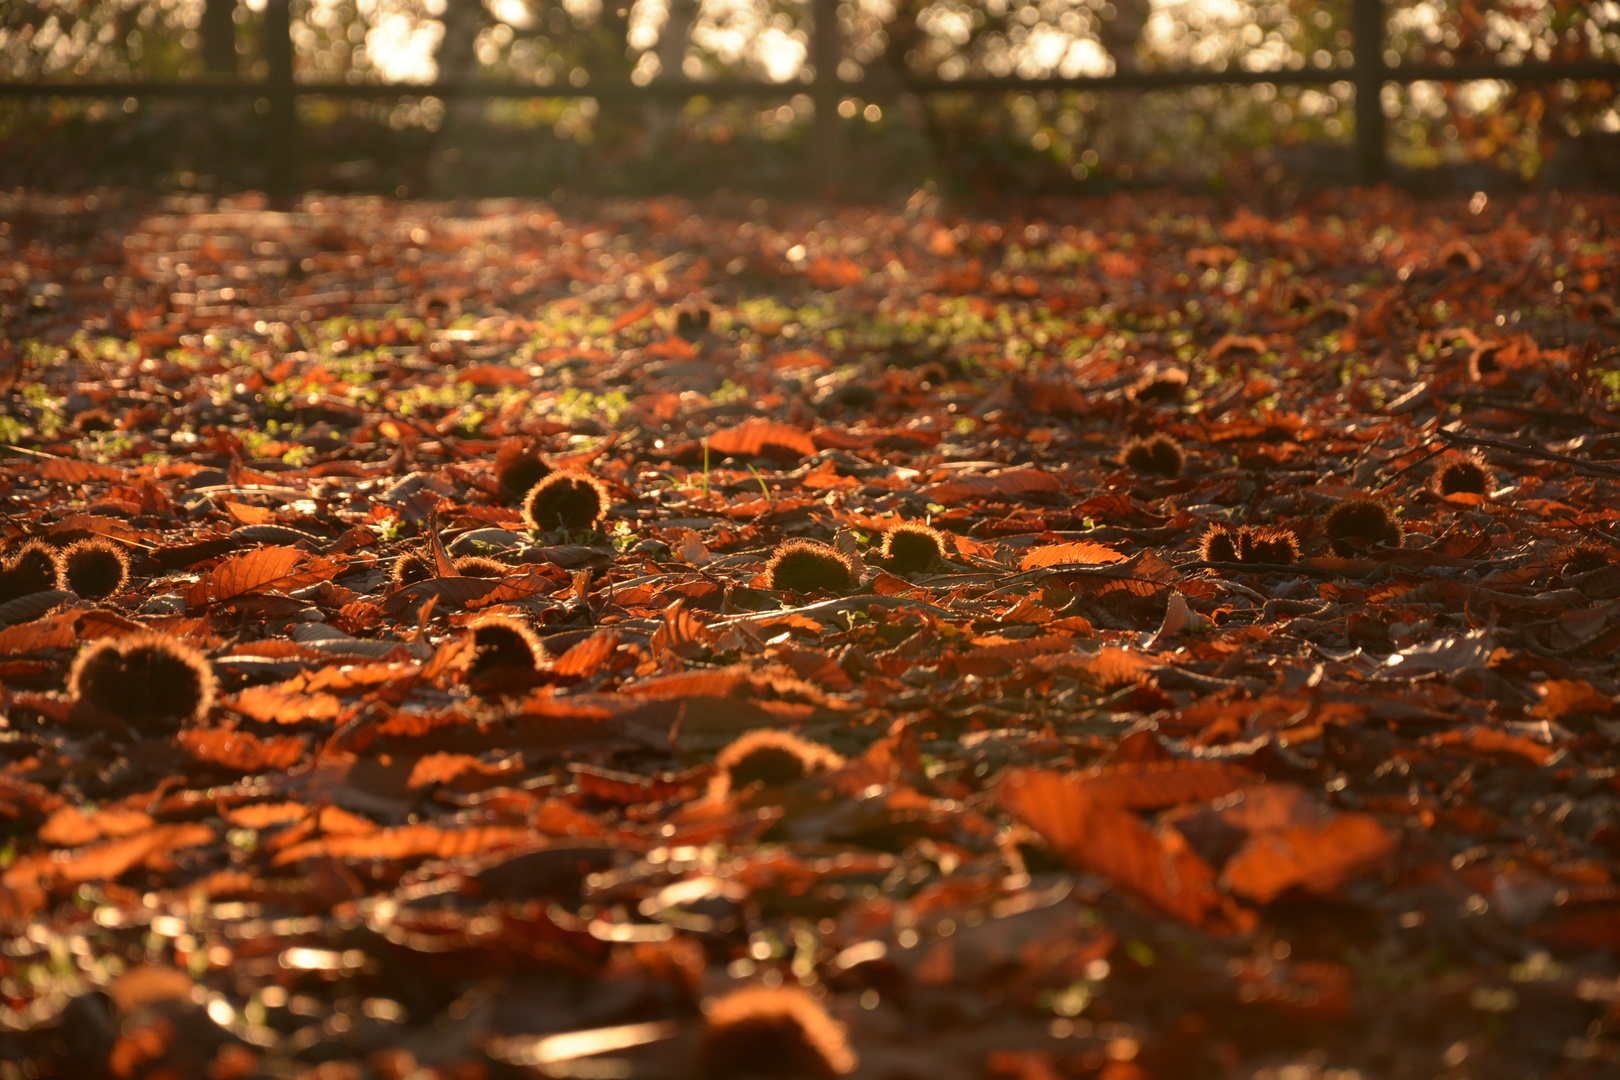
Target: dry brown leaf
{"points": [[1312, 856], [1079, 551], [109, 859], [242, 751], [1014, 482], [762, 438], [285, 704], [587, 656], [408, 842], [243, 574], [1157, 785], [79, 472], [1158, 867], [72, 827]]}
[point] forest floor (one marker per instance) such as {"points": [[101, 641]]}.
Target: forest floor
{"points": [[1106, 786]]}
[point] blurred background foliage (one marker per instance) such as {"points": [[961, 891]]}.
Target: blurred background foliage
{"points": [[1473, 134]]}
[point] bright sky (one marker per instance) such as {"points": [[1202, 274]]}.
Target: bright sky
{"points": [[402, 46]]}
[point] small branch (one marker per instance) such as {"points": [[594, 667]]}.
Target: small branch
{"points": [[1593, 418], [1577, 464], [1268, 568], [1404, 469], [841, 604]]}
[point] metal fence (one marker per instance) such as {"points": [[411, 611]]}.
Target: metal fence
{"points": [[1368, 72]]}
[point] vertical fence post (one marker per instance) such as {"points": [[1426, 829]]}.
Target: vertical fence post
{"points": [[825, 52], [281, 123], [1367, 26], [219, 37]]}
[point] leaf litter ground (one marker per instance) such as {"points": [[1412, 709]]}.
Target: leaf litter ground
{"points": [[1078, 797]]}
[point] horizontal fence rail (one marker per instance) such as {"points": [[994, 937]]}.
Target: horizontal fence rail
{"points": [[1368, 73], [872, 89]]}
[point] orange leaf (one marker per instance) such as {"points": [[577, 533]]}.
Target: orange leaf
{"points": [[519, 586], [691, 684], [110, 859], [443, 565], [249, 515], [1107, 667], [359, 615], [1080, 551], [680, 632], [584, 658], [239, 575], [762, 438], [1272, 807], [1566, 697], [1001, 485], [631, 317], [443, 768], [493, 375], [242, 751], [408, 842], [1317, 856], [16, 792], [1159, 784], [72, 827], [77, 472], [1158, 867], [459, 591], [52, 632], [1484, 740], [838, 273], [285, 704], [267, 815]]}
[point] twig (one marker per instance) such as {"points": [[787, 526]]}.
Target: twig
{"points": [[840, 604], [1594, 418], [1241, 590], [1404, 469], [1114, 571], [1529, 451], [1268, 568]]}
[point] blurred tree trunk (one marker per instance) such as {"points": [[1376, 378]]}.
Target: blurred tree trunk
{"points": [[1120, 36], [457, 58], [219, 37], [902, 37], [663, 117]]}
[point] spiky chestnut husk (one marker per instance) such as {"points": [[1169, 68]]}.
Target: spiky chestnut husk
{"points": [[808, 566], [771, 758], [95, 568], [1155, 454], [565, 500], [1275, 544], [912, 547], [777, 1031], [1167, 384], [1482, 361], [480, 566], [1368, 520], [852, 395], [1463, 474], [500, 641], [1221, 543], [146, 680], [1584, 558], [1461, 255], [34, 567], [693, 322], [409, 568], [93, 420], [520, 475]]}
